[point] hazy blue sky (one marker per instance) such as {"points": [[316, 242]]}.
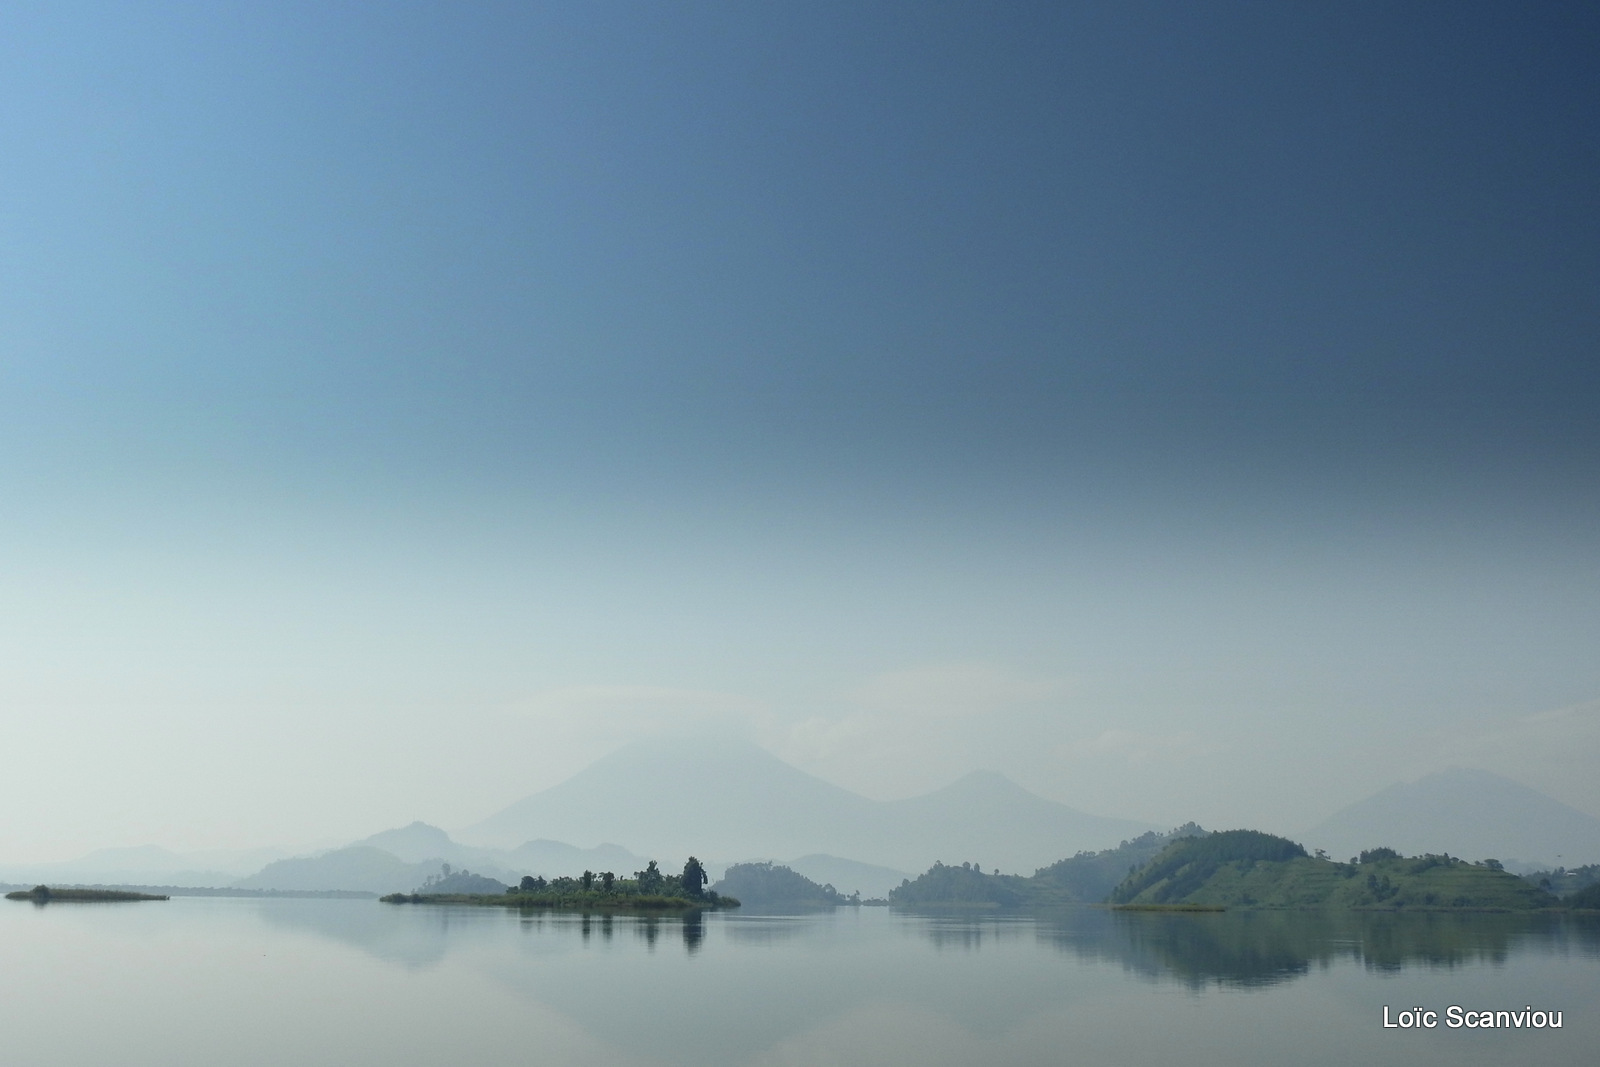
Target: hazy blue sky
{"points": [[1191, 410]]}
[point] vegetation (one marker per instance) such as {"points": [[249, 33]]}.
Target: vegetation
{"points": [[648, 890], [1089, 877], [1563, 882], [1191, 870], [1587, 898], [43, 894], [1085, 878], [766, 883], [449, 880], [1184, 866], [1250, 869], [964, 885]]}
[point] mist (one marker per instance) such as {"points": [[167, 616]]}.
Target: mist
{"points": [[1186, 414]]}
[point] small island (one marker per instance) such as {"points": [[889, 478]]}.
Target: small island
{"points": [[43, 894], [648, 891]]}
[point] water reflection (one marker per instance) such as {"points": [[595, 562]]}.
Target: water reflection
{"points": [[748, 985], [1247, 949], [1232, 949]]}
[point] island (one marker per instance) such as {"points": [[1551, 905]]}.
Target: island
{"points": [[43, 894], [1251, 869], [1191, 870], [649, 891]]}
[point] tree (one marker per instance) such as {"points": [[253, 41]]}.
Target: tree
{"points": [[694, 877], [607, 879], [588, 881], [528, 884], [650, 879]]}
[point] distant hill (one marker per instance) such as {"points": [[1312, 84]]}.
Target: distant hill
{"points": [[419, 842], [724, 797], [360, 867], [1250, 869], [398, 860], [145, 864], [767, 883], [1469, 813], [554, 858], [460, 882]]}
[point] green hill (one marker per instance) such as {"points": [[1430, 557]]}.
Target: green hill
{"points": [[1250, 869], [1089, 877], [1082, 879], [766, 883]]}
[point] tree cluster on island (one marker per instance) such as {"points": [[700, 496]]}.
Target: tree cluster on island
{"points": [[648, 890]]}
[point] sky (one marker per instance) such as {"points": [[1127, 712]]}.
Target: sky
{"points": [[1191, 411]]}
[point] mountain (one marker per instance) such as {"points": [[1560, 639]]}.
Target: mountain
{"points": [[418, 842], [552, 858], [725, 797], [989, 820], [1468, 813]]}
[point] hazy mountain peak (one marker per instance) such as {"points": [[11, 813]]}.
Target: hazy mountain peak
{"points": [[1466, 812], [986, 783], [725, 796]]}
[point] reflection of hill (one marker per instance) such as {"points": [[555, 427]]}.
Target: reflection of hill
{"points": [[409, 940], [1266, 948], [630, 980]]}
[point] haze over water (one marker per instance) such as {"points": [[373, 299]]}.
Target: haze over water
{"points": [[198, 982]]}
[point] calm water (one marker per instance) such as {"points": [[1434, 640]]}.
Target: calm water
{"points": [[225, 982]]}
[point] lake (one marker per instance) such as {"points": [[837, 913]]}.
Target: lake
{"points": [[198, 981]]}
